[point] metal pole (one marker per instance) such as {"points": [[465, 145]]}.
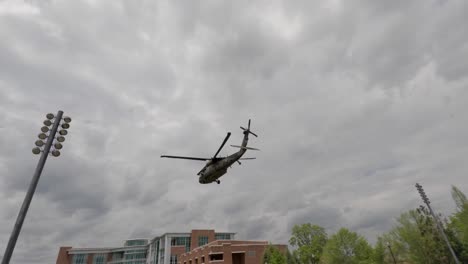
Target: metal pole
{"points": [[388, 245], [441, 230], [436, 219], [32, 187]]}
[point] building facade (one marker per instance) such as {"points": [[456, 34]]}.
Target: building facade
{"points": [[228, 252], [164, 249]]}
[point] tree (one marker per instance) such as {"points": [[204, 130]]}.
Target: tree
{"points": [[346, 247], [416, 239], [309, 240], [417, 233], [389, 250], [459, 198], [272, 255], [458, 226], [292, 258], [379, 252]]}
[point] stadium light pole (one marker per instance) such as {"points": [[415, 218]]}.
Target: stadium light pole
{"points": [[436, 219], [37, 174]]}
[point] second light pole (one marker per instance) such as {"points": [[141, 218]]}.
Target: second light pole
{"points": [[436, 219]]}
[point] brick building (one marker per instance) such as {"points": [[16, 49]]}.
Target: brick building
{"points": [[228, 252], [168, 249]]}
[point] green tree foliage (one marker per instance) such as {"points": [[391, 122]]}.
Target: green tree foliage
{"points": [[387, 248], [309, 240], [415, 239], [459, 198], [346, 247], [458, 226], [379, 252], [292, 258], [272, 255], [417, 234]]}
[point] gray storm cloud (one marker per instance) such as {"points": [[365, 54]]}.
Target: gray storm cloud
{"points": [[353, 104]]}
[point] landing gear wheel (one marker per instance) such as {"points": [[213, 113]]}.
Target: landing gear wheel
{"points": [[218, 181]]}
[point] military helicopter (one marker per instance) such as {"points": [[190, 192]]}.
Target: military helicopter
{"points": [[217, 166]]}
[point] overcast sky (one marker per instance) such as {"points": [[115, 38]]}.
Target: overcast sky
{"points": [[353, 101]]}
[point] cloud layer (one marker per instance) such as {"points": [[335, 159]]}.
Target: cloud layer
{"points": [[353, 103]]}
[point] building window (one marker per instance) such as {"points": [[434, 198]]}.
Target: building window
{"points": [[156, 252], [251, 253], [203, 259], [216, 256], [173, 259], [181, 241], [135, 255], [138, 242], [202, 240], [79, 259], [99, 259], [117, 256], [222, 236]]}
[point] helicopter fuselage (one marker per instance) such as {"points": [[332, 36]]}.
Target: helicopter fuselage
{"points": [[213, 170]]}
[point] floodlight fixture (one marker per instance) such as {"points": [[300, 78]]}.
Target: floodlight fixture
{"points": [[39, 143], [36, 150]]}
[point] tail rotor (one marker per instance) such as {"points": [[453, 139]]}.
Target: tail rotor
{"points": [[247, 131]]}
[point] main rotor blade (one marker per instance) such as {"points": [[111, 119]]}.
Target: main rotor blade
{"points": [[247, 158], [180, 157], [241, 147], [222, 145]]}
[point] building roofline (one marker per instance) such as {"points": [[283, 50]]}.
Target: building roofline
{"points": [[170, 233], [150, 240], [188, 233], [109, 249]]}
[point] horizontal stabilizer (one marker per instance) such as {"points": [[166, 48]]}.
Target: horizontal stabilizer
{"points": [[247, 158], [244, 147]]}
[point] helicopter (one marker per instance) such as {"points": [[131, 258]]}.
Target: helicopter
{"points": [[217, 166]]}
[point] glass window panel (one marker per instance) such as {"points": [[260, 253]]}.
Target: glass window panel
{"points": [[99, 259], [202, 240], [181, 241], [79, 259], [222, 236], [173, 259]]}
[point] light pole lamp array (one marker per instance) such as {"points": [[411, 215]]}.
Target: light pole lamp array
{"points": [[436, 219], [48, 134]]}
